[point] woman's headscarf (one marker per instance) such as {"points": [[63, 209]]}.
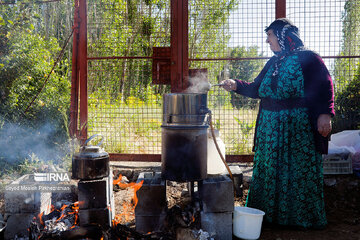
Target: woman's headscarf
{"points": [[287, 34], [289, 40]]}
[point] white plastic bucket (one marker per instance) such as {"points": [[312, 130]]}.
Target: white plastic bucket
{"points": [[247, 222]]}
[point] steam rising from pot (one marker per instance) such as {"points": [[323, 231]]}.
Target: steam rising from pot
{"points": [[198, 80]]}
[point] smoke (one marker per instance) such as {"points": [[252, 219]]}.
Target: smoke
{"points": [[18, 143], [198, 83]]}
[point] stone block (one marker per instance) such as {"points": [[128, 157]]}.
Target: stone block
{"points": [[23, 200], [95, 193], [152, 194], [216, 194], [218, 225]]}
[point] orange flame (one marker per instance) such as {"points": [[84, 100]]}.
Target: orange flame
{"points": [[40, 215], [128, 208]]}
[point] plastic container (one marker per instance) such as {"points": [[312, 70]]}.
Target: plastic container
{"points": [[247, 222], [214, 163], [337, 164]]}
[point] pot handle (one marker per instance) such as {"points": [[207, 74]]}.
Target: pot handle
{"points": [[92, 137]]}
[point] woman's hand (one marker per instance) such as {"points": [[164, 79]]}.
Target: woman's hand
{"points": [[324, 124], [229, 85]]}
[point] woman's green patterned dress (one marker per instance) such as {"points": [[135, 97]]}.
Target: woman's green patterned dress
{"points": [[287, 182]]}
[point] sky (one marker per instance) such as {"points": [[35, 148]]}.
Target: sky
{"points": [[319, 22]]}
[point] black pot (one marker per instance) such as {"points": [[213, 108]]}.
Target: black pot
{"points": [[184, 152]]}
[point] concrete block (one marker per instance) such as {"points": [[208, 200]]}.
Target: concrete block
{"points": [[95, 193], [26, 201], [216, 194], [238, 179], [152, 194], [218, 225], [17, 225], [100, 216], [145, 224]]}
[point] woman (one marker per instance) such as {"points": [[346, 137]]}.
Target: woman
{"points": [[293, 124]]}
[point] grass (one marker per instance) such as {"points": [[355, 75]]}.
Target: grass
{"points": [[134, 126]]}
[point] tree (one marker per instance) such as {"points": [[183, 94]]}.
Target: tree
{"points": [[26, 58], [347, 71], [132, 27], [245, 70], [345, 68], [348, 107]]}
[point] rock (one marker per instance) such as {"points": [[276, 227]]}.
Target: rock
{"points": [[330, 182]]}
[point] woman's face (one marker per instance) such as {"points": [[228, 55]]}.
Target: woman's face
{"points": [[272, 41]]}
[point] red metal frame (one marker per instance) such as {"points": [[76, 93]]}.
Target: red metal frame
{"points": [[83, 70], [179, 71], [179, 49], [157, 157], [79, 74], [280, 9], [74, 104]]}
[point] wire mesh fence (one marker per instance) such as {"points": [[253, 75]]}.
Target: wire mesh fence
{"points": [[225, 37]]}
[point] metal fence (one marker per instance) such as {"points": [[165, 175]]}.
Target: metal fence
{"points": [[225, 37]]}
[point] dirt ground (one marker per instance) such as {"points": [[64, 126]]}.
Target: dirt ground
{"points": [[342, 198], [342, 202]]}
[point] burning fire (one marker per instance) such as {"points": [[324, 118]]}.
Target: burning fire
{"points": [[61, 219], [128, 208]]}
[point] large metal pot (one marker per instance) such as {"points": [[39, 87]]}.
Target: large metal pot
{"points": [[184, 152], [92, 162], [185, 108]]}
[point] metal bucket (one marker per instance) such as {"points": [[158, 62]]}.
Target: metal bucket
{"points": [[184, 152], [185, 108]]}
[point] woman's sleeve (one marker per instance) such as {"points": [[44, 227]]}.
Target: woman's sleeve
{"points": [[319, 90], [250, 89]]}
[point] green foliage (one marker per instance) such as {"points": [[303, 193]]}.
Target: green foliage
{"points": [[126, 127], [243, 146], [346, 71], [245, 70], [24, 71], [134, 28], [137, 26], [346, 68], [208, 32], [27, 55], [347, 106]]}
